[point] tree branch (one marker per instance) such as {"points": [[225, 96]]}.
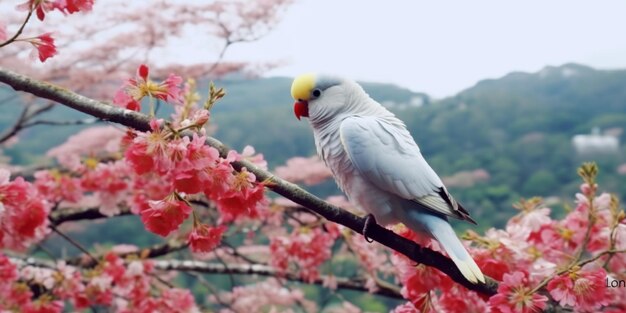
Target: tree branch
{"points": [[291, 191], [66, 215], [234, 269], [265, 270], [78, 102], [87, 121], [75, 244]]}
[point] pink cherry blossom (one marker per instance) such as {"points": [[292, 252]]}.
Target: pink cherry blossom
{"points": [[86, 145], [8, 270], [56, 187], [73, 6], [165, 216], [177, 300], [250, 154], [310, 171], [196, 166], [204, 238], [148, 151], [495, 261], [461, 300], [266, 296], [581, 289], [40, 7], [43, 305], [44, 44], [23, 213], [244, 197], [141, 86], [405, 308], [109, 183], [369, 254], [122, 99], [417, 281], [307, 248], [515, 295]]}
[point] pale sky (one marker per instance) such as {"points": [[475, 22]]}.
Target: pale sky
{"points": [[441, 47]]}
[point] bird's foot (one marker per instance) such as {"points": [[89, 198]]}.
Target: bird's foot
{"points": [[370, 220]]}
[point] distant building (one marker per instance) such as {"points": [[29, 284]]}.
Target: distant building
{"points": [[595, 143], [414, 102], [417, 102]]}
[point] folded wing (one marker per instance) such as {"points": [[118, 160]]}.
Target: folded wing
{"points": [[385, 153]]}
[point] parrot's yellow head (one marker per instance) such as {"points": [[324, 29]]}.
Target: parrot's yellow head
{"points": [[302, 86], [308, 88]]}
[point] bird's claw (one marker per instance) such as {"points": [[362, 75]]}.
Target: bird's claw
{"points": [[369, 221]]}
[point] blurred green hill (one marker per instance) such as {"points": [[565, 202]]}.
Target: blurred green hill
{"points": [[517, 128]]}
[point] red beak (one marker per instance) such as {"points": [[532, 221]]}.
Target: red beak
{"points": [[301, 108]]}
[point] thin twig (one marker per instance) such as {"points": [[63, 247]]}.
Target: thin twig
{"points": [[26, 114], [45, 251], [230, 275], [59, 217], [265, 270], [74, 243], [200, 279], [16, 127], [233, 251]]}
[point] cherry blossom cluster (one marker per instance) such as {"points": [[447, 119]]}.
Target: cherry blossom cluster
{"points": [[130, 287], [156, 174], [536, 258], [267, 296], [373, 260], [310, 171], [162, 169], [23, 213], [304, 248], [572, 260]]}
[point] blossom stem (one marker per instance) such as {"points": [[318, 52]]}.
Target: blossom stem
{"points": [[152, 111], [196, 219], [591, 217], [186, 128], [615, 214], [610, 252], [74, 243]]}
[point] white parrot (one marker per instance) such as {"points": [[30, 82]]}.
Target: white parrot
{"points": [[376, 162]]}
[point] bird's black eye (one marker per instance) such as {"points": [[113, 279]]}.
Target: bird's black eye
{"points": [[316, 93]]}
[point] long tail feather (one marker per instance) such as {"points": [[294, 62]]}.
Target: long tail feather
{"points": [[441, 230]]}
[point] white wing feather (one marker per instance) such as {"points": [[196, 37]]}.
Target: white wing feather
{"points": [[386, 155]]}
